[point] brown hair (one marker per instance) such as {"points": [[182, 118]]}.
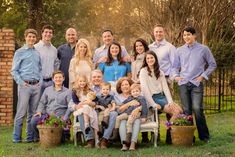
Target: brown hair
{"points": [[57, 72], [106, 84], [50, 27], [30, 30], [119, 83], [134, 86]]}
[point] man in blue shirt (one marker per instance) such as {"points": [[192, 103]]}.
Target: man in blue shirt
{"points": [[26, 70], [189, 71]]}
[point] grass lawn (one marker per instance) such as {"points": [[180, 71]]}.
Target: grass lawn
{"points": [[222, 144]]}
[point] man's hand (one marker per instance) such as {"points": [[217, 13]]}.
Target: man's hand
{"points": [[178, 78], [37, 114], [199, 78], [102, 60]]}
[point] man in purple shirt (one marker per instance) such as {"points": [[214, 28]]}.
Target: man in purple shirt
{"points": [[189, 71]]}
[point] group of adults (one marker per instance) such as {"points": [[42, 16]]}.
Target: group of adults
{"points": [[46, 75]]}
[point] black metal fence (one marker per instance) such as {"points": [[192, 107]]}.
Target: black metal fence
{"points": [[219, 91]]}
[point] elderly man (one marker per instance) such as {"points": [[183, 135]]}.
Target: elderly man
{"points": [[66, 52], [96, 80]]}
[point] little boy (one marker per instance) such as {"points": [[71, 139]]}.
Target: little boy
{"points": [[105, 103], [143, 111]]}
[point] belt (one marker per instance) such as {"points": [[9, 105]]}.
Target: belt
{"points": [[47, 80], [33, 82]]}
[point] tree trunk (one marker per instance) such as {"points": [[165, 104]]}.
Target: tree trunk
{"points": [[35, 14]]}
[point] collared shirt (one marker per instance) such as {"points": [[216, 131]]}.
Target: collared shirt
{"points": [[96, 89], [26, 65], [103, 52], [165, 52], [114, 71], [190, 63], [143, 104], [105, 100], [49, 60], [65, 54], [53, 101]]}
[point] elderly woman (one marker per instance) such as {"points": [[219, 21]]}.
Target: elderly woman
{"points": [[81, 63], [123, 90]]}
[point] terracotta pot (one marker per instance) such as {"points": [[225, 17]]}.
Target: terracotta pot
{"points": [[182, 135], [49, 136]]}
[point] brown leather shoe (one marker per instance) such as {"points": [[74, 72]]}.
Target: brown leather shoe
{"points": [[90, 144], [103, 143]]}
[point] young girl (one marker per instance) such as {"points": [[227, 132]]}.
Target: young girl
{"points": [[155, 88], [82, 97]]}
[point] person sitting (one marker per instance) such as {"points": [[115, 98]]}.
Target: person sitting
{"points": [[105, 104], [126, 115], [54, 101]]}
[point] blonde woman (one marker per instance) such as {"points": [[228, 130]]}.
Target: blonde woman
{"points": [[81, 63]]}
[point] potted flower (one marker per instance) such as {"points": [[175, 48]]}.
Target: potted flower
{"points": [[182, 130], [50, 130]]}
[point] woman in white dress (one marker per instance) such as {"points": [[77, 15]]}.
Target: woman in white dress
{"points": [[81, 63]]}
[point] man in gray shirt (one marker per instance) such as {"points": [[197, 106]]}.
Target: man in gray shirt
{"points": [[48, 55], [54, 101]]}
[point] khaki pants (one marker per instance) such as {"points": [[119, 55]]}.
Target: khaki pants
{"points": [[129, 123]]}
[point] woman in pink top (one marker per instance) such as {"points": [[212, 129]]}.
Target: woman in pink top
{"points": [[155, 88]]}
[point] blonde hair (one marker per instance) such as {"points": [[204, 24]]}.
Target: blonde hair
{"points": [[88, 55], [30, 30], [91, 95], [78, 89], [135, 86]]}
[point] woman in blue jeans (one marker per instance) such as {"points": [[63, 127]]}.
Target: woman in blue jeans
{"points": [[154, 86]]}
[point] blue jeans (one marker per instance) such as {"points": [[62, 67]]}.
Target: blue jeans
{"points": [[160, 99], [112, 119], [107, 132], [191, 99], [28, 98], [135, 132]]}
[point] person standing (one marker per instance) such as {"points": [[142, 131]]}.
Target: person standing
{"points": [[101, 53], [48, 55], [165, 52], [66, 52], [26, 71], [81, 63], [189, 72]]}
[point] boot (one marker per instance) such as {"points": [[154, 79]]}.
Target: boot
{"points": [[128, 138], [105, 122], [103, 143], [115, 134], [90, 143]]}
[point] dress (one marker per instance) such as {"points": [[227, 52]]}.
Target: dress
{"points": [[83, 68]]}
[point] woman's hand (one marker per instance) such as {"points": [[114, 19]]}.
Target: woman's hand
{"points": [[134, 103], [178, 78]]}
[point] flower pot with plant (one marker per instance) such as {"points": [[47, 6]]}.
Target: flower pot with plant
{"points": [[182, 130], [50, 130]]}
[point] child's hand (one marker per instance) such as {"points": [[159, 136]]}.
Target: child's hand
{"points": [[143, 120], [158, 107], [135, 113]]}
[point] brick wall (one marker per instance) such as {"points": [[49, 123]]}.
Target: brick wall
{"points": [[7, 48]]}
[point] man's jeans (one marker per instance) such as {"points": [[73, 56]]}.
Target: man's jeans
{"points": [[107, 132], [28, 98], [191, 99]]}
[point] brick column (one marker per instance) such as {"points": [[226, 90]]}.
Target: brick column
{"points": [[7, 48]]}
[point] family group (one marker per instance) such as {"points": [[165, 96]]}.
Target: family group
{"points": [[109, 91]]}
